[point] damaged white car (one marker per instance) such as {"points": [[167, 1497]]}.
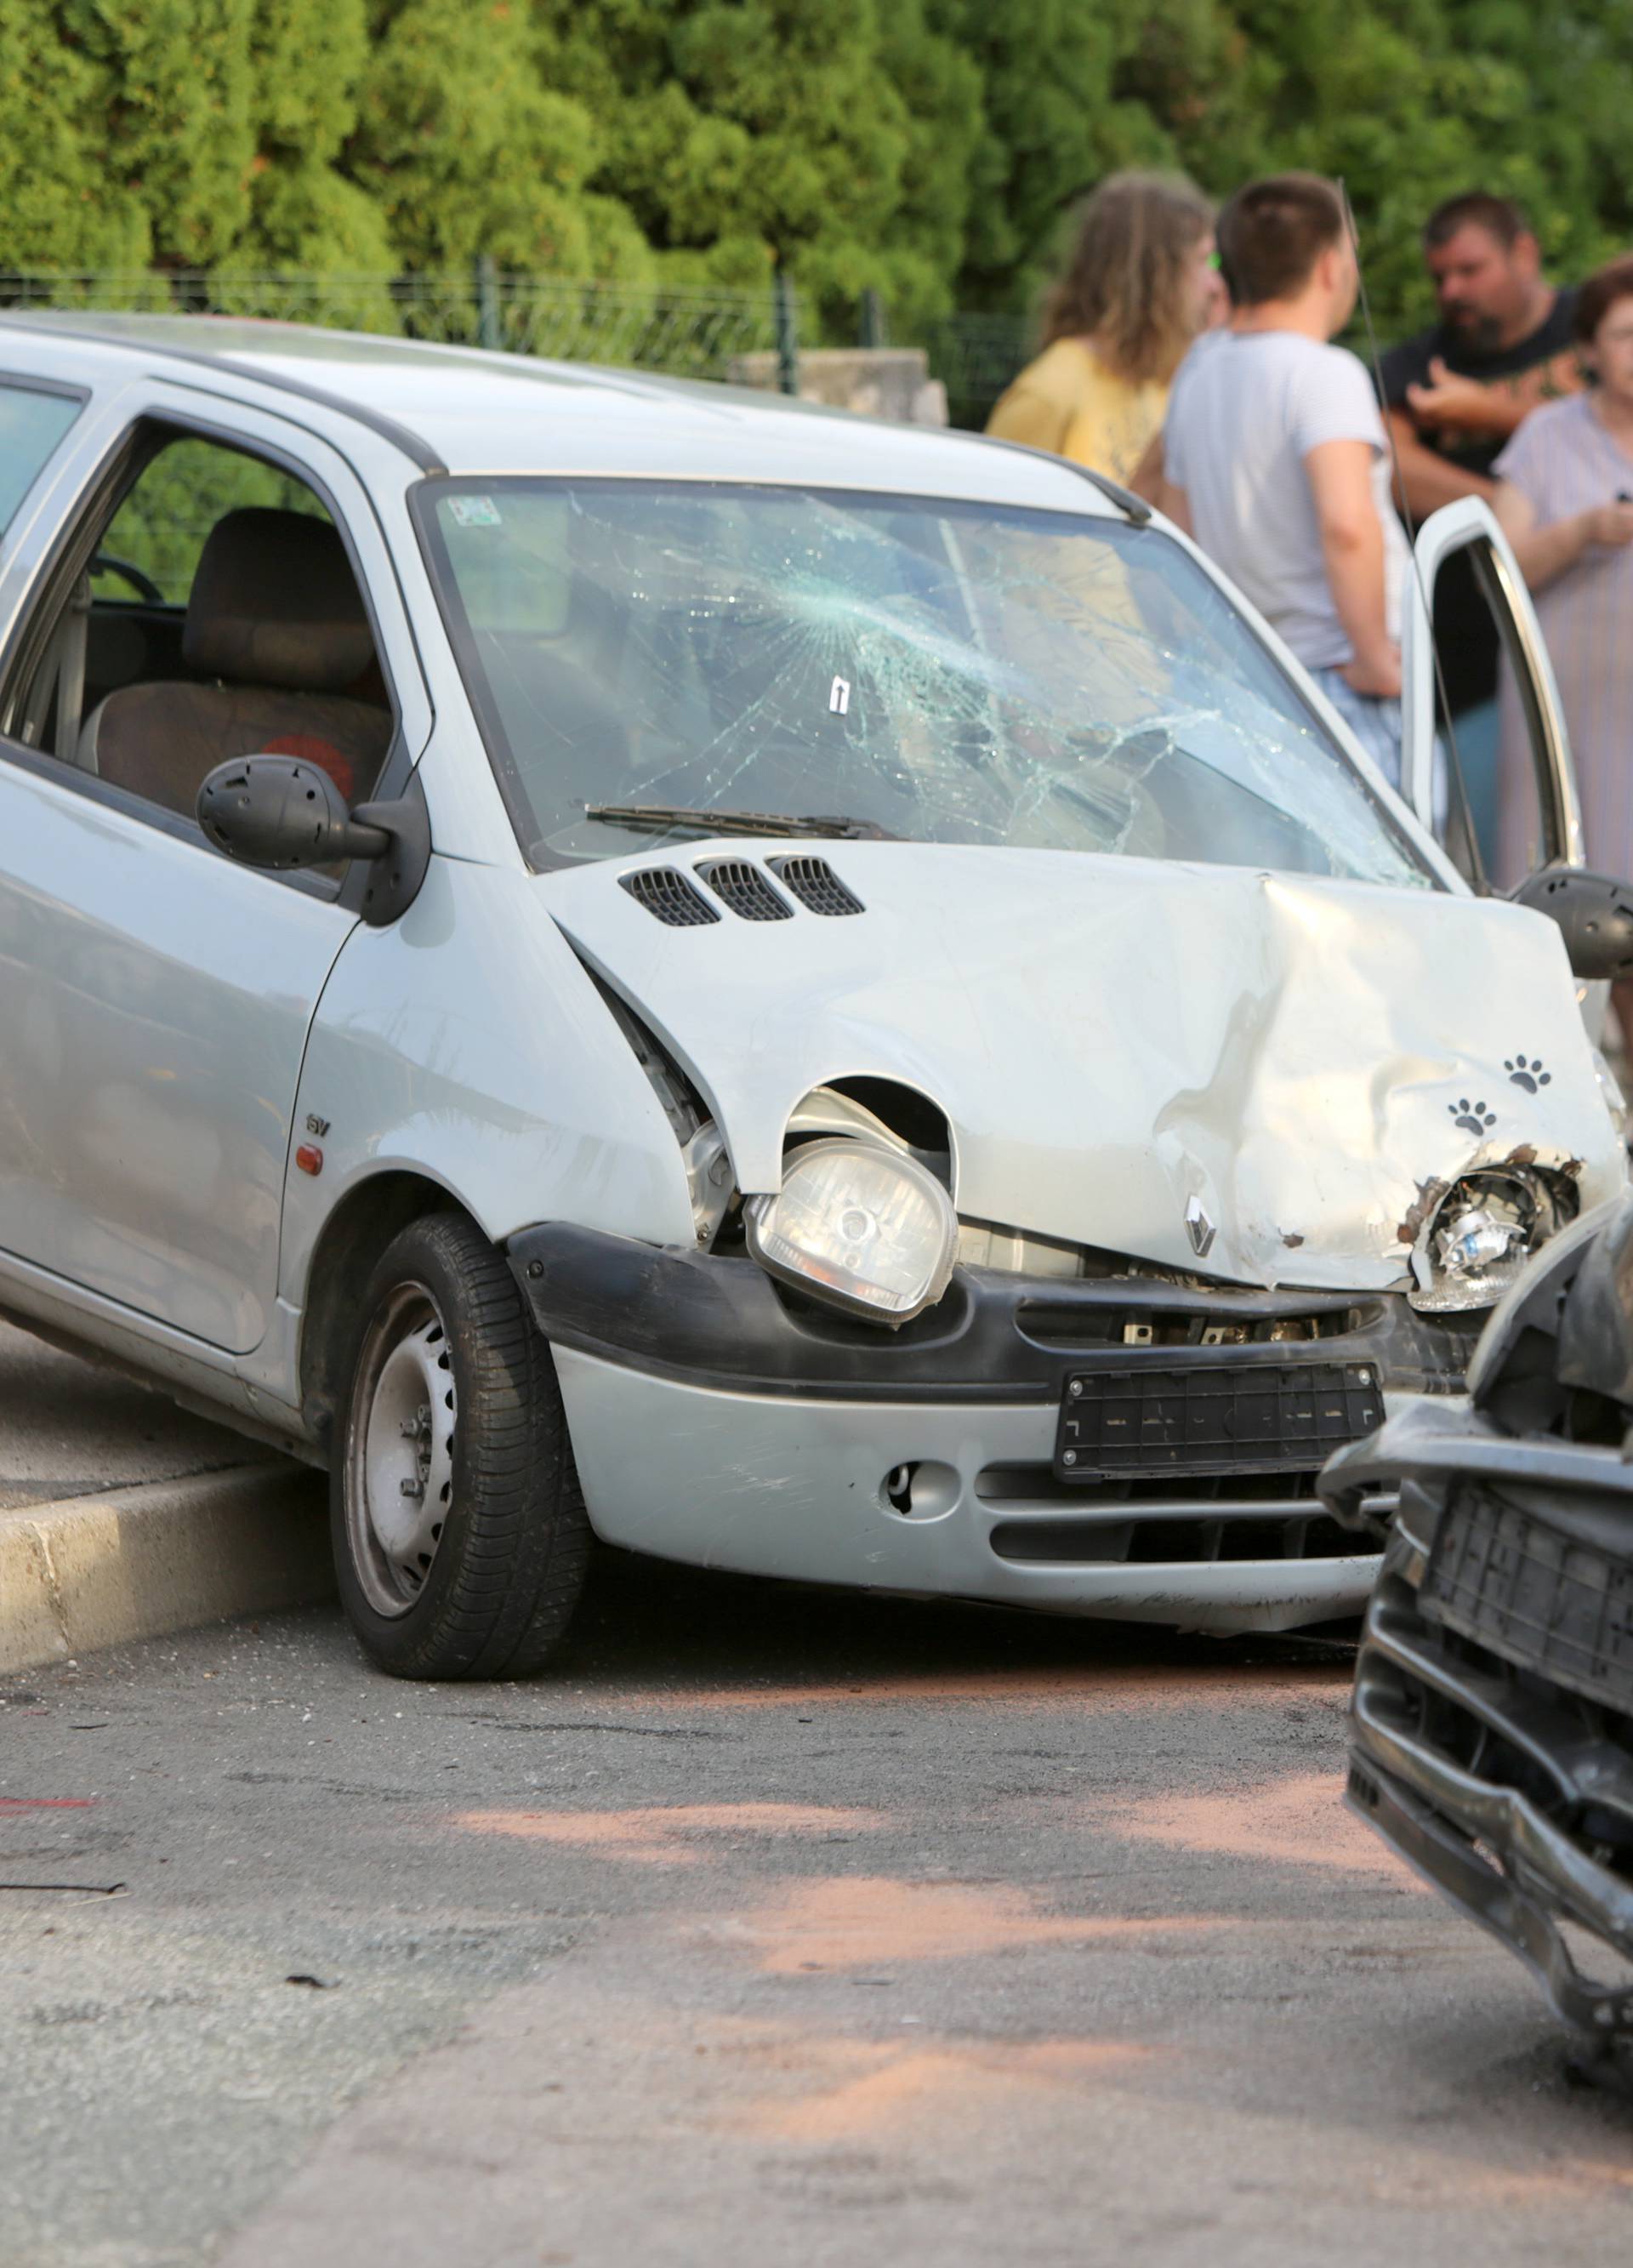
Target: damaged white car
{"points": [[795, 995]]}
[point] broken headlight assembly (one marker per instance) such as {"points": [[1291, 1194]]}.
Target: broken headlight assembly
{"points": [[860, 1228], [1477, 1234]]}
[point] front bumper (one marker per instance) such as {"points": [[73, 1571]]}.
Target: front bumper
{"points": [[718, 1420], [1509, 1791]]}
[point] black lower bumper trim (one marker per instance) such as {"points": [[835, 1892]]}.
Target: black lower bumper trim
{"points": [[702, 1319]]}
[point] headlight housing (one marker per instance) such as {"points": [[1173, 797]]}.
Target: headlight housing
{"points": [[863, 1227], [1477, 1234]]}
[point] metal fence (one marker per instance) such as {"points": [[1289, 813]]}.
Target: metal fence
{"points": [[976, 356], [685, 333]]}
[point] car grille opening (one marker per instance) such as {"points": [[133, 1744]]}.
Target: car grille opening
{"points": [[1154, 1322], [1037, 1486], [817, 886], [1170, 1542], [742, 885], [669, 897], [1234, 1517]]}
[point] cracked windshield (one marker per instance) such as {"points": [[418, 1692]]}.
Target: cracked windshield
{"points": [[940, 672]]}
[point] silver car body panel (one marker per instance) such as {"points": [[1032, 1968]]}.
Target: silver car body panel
{"points": [[467, 1043], [1295, 1056], [762, 1484], [154, 1006]]}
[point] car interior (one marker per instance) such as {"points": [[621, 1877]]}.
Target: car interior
{"points": [[218, 618]]}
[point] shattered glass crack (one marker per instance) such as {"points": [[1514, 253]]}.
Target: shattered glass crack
{"points": [[1012, 677]]}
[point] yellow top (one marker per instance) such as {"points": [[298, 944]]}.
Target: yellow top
{"points": [[1067, 401]]}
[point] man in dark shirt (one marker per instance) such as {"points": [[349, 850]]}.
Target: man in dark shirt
{"points": [[1452, 396], [1502, 345]]}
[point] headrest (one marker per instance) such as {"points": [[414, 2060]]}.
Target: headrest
{"points": [[275, 602]]}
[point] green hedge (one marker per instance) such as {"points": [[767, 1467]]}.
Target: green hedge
{"points": [[923, 149]]}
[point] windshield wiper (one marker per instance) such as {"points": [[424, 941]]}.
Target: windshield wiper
{"points": [[657, 816]]}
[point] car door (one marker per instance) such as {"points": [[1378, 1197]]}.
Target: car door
{"points": [[155, 998], [1533, 782]]}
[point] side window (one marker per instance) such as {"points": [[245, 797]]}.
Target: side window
{"points": [[1509, 806], [215, 615], [161, 527], [30, 425], [1497, 735]]}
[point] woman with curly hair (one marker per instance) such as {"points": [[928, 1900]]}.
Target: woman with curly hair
{"points": [[1141, 282]]}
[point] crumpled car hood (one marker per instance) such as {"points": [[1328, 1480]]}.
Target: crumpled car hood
{"points": [[1111, 1038]]}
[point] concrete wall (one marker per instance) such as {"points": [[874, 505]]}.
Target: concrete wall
{"points": [[892, 382]]}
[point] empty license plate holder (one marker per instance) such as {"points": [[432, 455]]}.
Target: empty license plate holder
{"points": [[1140, 1420]]}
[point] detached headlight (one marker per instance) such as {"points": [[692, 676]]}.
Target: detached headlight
{"points": [[859, 1226]]}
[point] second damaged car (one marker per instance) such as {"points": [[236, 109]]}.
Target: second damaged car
{"points": [[603, 956], [1493, 1715]]}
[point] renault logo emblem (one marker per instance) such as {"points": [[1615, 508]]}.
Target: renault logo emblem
{"points": [[1199, 1228]]}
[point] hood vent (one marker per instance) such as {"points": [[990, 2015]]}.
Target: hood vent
{"points": [[669, 897], [743, 887], [816, 885]]}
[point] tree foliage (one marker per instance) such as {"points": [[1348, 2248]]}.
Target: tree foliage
{"points": [[929, 150], [466, 148]]}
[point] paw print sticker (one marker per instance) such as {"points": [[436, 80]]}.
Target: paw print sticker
{"points": [[1529, 1075], [1473, 1117]]}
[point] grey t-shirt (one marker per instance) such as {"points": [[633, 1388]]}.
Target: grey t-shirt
{"points": [[1245, 410]]}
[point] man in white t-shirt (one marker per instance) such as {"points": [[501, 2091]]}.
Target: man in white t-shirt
{"points": [[1276, 458]]}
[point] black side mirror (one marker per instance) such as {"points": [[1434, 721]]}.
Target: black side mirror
{"points": [[1594, 914], [278, 813]]}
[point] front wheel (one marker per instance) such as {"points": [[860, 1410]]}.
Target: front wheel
{"points": [[460, 1534]]}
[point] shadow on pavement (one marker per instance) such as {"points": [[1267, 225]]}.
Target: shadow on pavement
{"points": [[644, 1618]]}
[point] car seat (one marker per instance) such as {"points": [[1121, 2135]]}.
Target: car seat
{"points": [[275, 620]]}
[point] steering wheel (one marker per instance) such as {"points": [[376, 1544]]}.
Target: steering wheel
{"points": [[145, 588]]}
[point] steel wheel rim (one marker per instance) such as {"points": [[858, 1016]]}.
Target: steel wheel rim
{"points": [[400, 1450]]}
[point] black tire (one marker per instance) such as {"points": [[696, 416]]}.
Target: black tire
{"points": [[488, 1588]]}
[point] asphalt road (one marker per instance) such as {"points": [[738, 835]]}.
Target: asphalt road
{"points": [[775, 1926]]}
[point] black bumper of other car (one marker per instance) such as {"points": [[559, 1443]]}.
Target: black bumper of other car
{"points": [[1512, 1792], [701, 1319]]}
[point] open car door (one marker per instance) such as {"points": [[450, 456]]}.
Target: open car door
{"points": [[1514, 760], [1531, 789]]}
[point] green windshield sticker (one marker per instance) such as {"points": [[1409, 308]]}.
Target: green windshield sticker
{"points": [[475, 512]]}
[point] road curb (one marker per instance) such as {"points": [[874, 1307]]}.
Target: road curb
{"points": [[99, 1570]]}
